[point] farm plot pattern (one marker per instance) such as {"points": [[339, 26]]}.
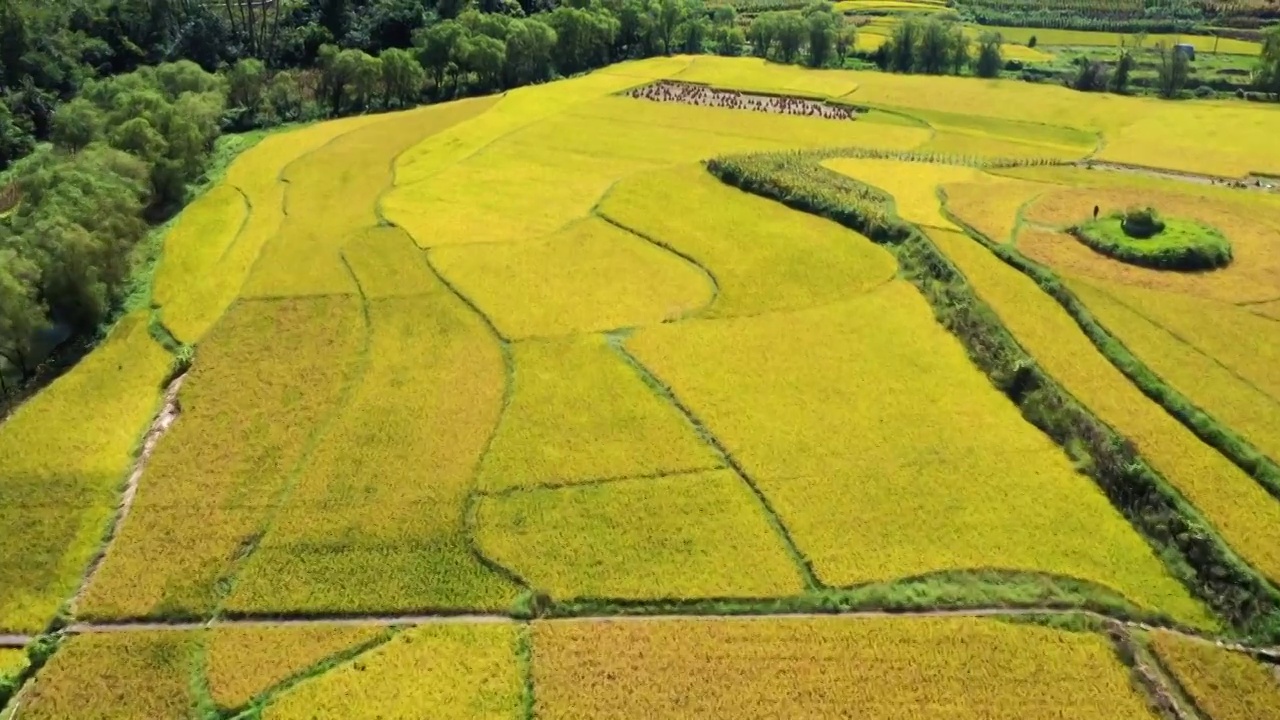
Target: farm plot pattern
{"points": [[463, 371]]}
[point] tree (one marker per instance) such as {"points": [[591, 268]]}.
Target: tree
{"points": [[15, 137], [823, 27], [76, 124], [761, 32], [584, 37], [728, 40], [668, 17], [989, 61], [1172, 71], [790, 34], [846, 40], [900, 49], [1091, 75], [530, 43], [384, 24], [246, 81], [692, 34], [484, 56], [21, 313], [1267, 75], [436, 47], [14, 43], [402, 78], [1120, 78]]}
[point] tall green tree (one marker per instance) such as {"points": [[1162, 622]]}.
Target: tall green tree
{"points": [[402, 78], [990, 58], [1173, 70], [1267, 75]]}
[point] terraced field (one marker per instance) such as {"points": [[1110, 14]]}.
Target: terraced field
{"points": [[567, 404]]}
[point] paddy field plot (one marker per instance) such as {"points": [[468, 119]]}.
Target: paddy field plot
{"points": [[883, 669], [1225, 685], [523, 356]]}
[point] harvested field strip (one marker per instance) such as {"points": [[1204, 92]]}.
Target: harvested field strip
{"points": [[697, 535], [827, 668], [763, 256], [247, 423], [376, 520], [590, 276], [1253, 275], [1197, 364], [458, 671], [116, 676], [66, 452], [995, 214], [707, 96], [202, 235], [256, 174], [786, 418], [1224, 685], [346, 178], [242, 663], [578, 412], [1232, 501]]}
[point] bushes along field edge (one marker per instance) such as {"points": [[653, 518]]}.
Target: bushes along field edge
{"points": [[1211, 431], [1190, 548]]}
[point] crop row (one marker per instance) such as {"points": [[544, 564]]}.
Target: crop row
{"points": [[1223, 685]]}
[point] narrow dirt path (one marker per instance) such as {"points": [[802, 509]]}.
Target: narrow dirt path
{"points": [[495, 618], [1249, 182], [169, 412]]}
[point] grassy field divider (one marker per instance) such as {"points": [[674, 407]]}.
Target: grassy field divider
{"points": [[524, 657], [1211, 431], [1188, 545], [802, 562]]}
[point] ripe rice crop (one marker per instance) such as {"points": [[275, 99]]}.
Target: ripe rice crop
{"points": [[1253, 275], [486, 198], [12, 662], [1161, 138], [388, 264], [882, 405], [912, 185], [325, 207], [758, 74], [1052, 140], [243, 662], [261, 386], [1088, 38], [763, 256], [1225, 685], [204, 297], [65, 453], [1230, 500], [1267, 309], [672, 133], [458, 671], [681, 536], [590, 276], [140, 675], [375, 521], [1216, 355], [881, 669], [201, 236], [994, 214], [578, 413]]}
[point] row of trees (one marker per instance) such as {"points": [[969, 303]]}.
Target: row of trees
{"points": [[817, 35]]}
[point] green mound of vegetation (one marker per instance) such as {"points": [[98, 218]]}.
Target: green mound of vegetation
{"points": [[1140, 236]]}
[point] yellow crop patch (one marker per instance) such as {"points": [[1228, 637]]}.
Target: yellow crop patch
{"points": [[759, 74], [1231, 500], [260, 388], [333, 194], [578, 413], [1220, 356], [763, 256], [64, 455], [993, 211], [1164, 139], [590, 276], [914, 186], [1253, 275], [242, 662], [879, 402], [1225, 685], [1267, 309], [490, 197], [13, 662], [375, 521], [1051, 36], [202, 235], [681, 536], [457, 671], [387, 264], [116, 676], [887, 669]]}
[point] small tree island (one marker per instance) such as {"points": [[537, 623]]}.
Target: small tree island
{"points": [[1141, 236]]}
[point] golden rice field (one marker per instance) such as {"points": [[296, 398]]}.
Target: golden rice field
{"points": [[523, 357], [1225, 685]]}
